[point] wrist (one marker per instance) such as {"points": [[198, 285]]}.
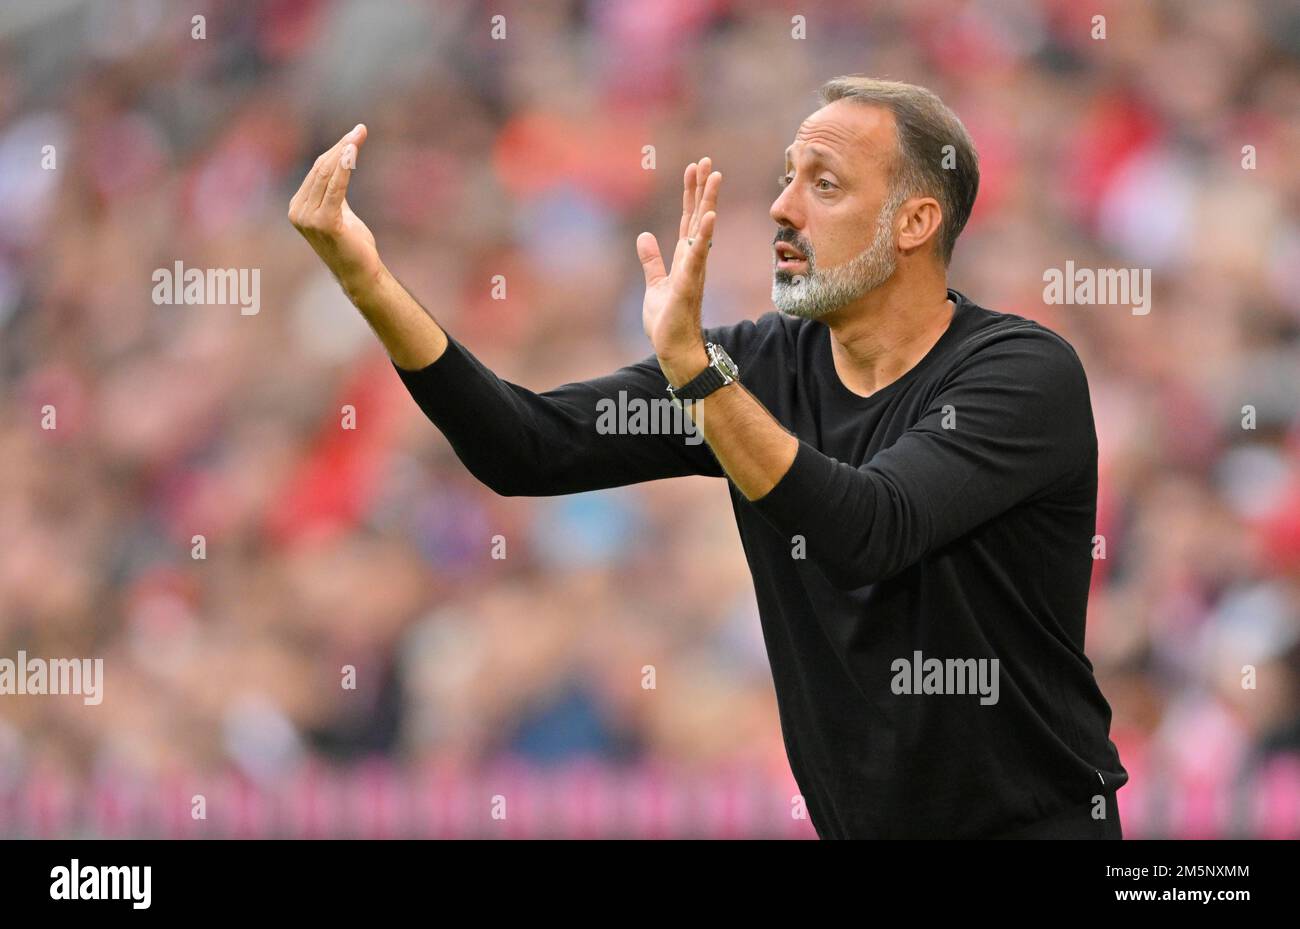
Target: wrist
{"points": [[684, 366], [364, 287]]}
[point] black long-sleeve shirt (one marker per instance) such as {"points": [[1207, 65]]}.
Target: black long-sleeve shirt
{"points": [[949, 516]]}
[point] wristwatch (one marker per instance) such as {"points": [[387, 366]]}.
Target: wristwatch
{"points": [[720, 372]]}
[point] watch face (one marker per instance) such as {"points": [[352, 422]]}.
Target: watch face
{"points": [[723, 361]]}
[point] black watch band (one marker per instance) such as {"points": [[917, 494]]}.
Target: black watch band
{"points": [[703, 384], [720, 372]]}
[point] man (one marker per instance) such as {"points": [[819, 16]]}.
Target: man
{"points": [[914, 477]]}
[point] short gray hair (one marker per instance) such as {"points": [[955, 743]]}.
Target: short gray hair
{"points": [[925, 127]]}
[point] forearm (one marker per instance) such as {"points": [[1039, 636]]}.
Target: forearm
{"points": [[831, 505], [412, 337], [561, 441], [748, 442]]}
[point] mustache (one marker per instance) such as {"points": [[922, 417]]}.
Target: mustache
{"points": [[791, 237]]}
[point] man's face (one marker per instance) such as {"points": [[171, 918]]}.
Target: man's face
{"points": [[836, 240]]}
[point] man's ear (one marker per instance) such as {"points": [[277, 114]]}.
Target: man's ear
{"points": [[920, 219]]}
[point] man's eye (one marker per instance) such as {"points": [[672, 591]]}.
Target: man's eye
{"points": [[783, 180], [828, 184]]}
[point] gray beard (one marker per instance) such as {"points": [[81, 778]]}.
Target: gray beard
{"points": [[819, 292]]}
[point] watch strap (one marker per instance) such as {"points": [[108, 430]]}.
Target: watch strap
{"points": [[720, 372], [700, 386]]}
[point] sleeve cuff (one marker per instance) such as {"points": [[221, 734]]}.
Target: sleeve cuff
{"points": [[447, 388], [792, 503], [435, 367], [454, 360]]}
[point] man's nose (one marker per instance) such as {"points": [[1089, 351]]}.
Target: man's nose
{"points": [[785, 209]]}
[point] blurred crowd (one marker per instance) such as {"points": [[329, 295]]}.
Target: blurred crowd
{"points": [[619, 633]]}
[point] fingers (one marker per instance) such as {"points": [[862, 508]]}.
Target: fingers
{"points": [[296, 204], [325, 169], [699, 195], [705, 195], [312, 190], [652, 262], [337, 188], [707, 223], [695, 250], [354, 139], [699, 217], [316, 179], [337, 185], [701, 176], [688, 200], [709, 195]]}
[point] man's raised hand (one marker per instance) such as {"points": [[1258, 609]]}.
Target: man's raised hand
{"points": [[320, 211], [671, 311]]}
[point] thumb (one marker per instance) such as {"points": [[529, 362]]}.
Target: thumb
{"points": [[652, 263]]}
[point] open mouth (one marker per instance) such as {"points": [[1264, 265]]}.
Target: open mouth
{"points": [[789, 258]]}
